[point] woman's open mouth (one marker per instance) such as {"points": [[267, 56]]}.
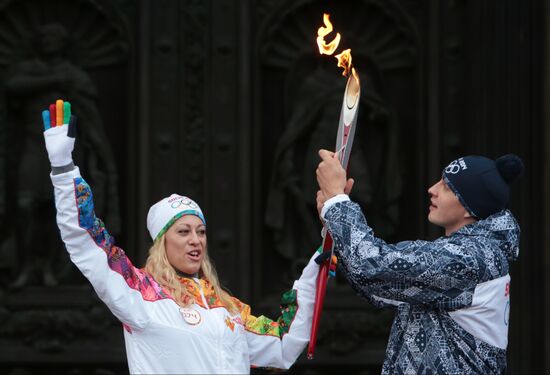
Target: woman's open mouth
{"points": [[194, 255]]}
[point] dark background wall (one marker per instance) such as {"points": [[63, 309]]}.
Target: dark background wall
{"points": [[227, 101]]}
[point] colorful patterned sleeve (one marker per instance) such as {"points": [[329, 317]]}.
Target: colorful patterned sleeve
{"points": [[92, 249], [262, 325], [441, 273], [278, 343]]}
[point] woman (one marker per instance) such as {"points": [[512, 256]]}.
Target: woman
{"points": [[176, 317]]}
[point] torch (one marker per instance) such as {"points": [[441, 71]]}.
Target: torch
{"points": [[344, 143]]}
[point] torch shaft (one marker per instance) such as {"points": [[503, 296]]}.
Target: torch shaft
{"points": [[319, 296], [344, 142]]}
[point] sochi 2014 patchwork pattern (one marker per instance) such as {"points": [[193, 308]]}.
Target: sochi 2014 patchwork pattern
{"points": [[262, 325], [140, 280], [118, 261], [425, 280]]}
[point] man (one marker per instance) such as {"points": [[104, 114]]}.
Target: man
{"points": [[452, 294]]}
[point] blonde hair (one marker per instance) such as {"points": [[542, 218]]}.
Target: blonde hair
{"points": [[158, 266]]}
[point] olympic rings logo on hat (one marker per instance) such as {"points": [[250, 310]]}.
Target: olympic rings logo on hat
{"points": [[453, 168], [185, 202]]}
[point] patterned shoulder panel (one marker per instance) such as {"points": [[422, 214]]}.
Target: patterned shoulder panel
{"points": [[118, 261], [492, 262]]}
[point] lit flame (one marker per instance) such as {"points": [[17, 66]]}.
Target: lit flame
{"points": [[354, 74], [352, 89], [324, 48], [344, 61], [344, 58]]}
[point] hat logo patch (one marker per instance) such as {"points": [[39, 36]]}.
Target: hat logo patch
{"points": [[183, 201], [456, 166]]}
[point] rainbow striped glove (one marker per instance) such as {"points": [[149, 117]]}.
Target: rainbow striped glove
{"points": [[59, 133]]}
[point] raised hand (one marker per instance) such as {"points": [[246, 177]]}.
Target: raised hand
{"points": [[321, 199], [331, 176], [59, 133]]}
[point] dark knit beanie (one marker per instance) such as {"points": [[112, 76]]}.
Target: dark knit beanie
{"points": [[483, 185]]}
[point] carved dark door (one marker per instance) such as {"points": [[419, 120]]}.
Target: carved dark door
{"points": [[228, 101]]}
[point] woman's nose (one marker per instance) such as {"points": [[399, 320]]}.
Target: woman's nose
{"points": [[194, 237]]}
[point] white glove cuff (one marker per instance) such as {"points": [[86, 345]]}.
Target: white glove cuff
{"points": [[59, 146]]}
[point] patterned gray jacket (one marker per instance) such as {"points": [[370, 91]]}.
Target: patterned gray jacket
{"points": [[451, 295]]}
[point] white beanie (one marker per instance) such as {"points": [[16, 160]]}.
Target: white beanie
{"points": [[165, 212]]}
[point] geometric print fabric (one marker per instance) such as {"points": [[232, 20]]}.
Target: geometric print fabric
{"points": [[426, 279]]}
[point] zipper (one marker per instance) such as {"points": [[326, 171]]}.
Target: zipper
{"points": [[222, 360]]}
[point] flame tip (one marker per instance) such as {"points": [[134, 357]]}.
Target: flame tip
{"points": [[324, 47], [344, 57]]}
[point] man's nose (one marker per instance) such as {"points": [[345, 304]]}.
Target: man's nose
{"points": [[433, 189]]}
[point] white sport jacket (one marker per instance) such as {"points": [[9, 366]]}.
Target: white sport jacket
{"points": [[160, 336]]}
